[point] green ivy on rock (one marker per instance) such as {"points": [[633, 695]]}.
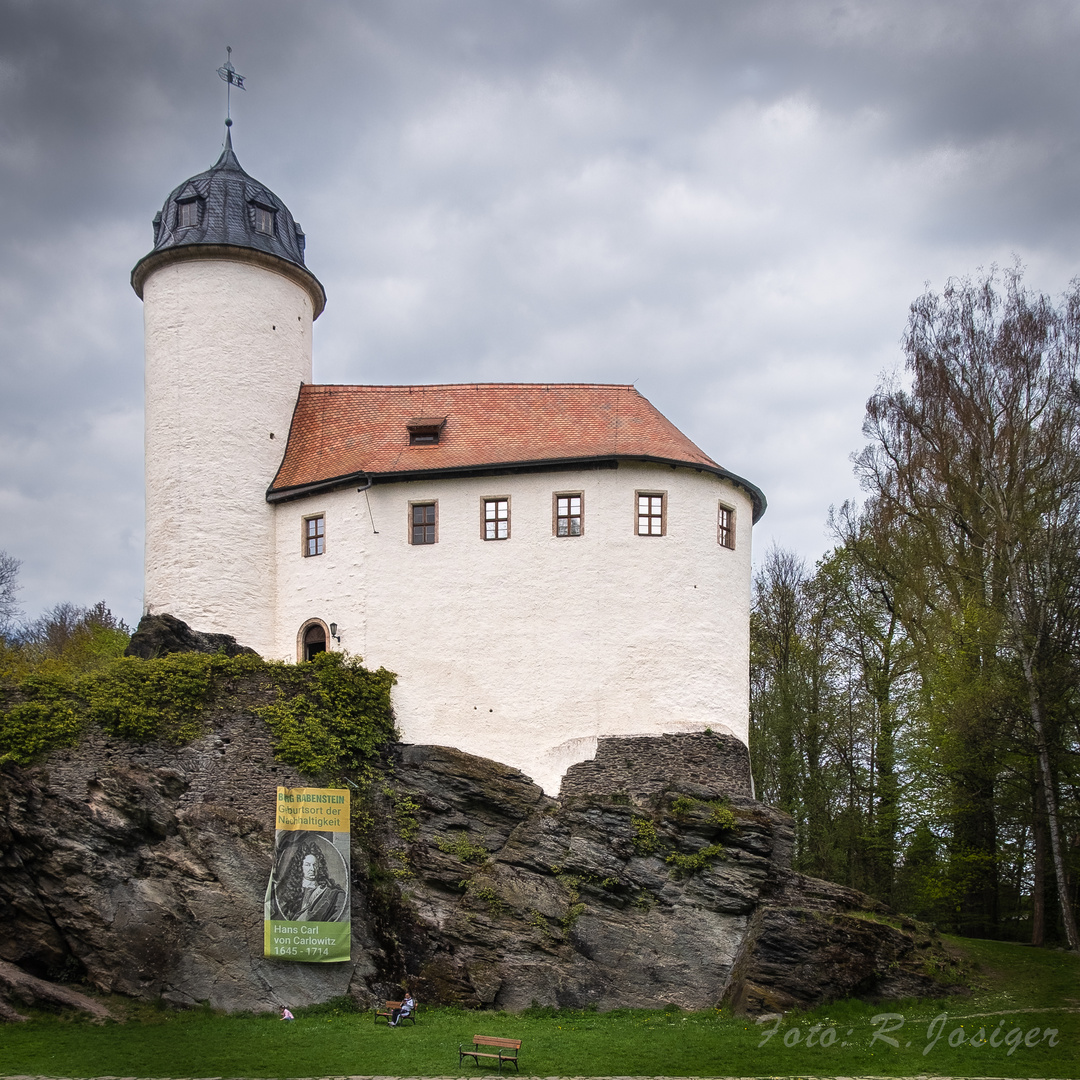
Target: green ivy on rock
{"points": [[331, 713], [328, 715]]}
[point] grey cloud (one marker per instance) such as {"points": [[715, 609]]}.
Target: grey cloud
{"points": [[731, 204]]}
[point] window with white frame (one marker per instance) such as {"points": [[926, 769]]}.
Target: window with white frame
{"points": [[497, 519], [725, 526], [314, 535], [569, 514], [651, 516]]}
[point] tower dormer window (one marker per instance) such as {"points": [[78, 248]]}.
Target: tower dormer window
{"points": [[187, 213], [264, 220]]}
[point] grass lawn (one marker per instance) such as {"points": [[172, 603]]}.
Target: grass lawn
{"points": [[1003, 1030]]}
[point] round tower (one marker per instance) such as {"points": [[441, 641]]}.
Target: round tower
{"points": [[228, 306]]}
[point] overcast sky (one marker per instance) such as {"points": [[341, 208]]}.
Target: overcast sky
{"points": [[729, 204]]}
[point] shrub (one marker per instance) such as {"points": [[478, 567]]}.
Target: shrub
{"points": [[147, 700], [685, 865], [406, 809], [331, 714], [48, 718], [721, 815], [337, 714], [646, 840], [478, 889], [462, 847]]}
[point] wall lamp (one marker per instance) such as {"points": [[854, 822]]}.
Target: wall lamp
{"points": [[334, 633]]}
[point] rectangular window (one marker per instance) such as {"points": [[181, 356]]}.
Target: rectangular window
{"points": [[425, 430], [424, 523], [496, 519], [725, 527], [264, 220], [569, 514], [650, 513], [314, 535], [189, 213]]}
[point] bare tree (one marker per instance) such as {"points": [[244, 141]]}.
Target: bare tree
{"points": [[67, 630], [9, 586]]}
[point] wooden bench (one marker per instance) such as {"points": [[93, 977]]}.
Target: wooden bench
{"points": [[506, 1050], [388, 1011]]}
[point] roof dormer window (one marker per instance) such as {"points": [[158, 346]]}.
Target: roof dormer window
{"points": [[264, 220], [188, 213], [425, 430]]}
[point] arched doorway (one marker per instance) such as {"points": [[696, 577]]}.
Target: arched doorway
{"points": [[313, 637]]}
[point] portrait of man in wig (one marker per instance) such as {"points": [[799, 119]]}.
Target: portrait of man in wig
{"points": [[304, 890]]}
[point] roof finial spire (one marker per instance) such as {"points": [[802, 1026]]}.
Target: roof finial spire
{"points": [[229, 74]]}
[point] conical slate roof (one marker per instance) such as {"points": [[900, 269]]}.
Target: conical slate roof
{"points": [[227, 208]]}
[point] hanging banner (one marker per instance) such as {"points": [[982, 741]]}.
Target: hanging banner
{"points": [[306, 915]]}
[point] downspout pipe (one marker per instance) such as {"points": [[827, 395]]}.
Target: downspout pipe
{"points": [[364, 487]]}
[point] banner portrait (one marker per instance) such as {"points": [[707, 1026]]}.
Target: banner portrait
{"points": [[306, 914]]}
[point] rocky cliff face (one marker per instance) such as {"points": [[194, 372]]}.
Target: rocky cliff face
{"points": [[141, 871]]}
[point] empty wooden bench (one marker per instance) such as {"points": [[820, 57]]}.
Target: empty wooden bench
{"points": [[388, 1010], [505, 1050]]}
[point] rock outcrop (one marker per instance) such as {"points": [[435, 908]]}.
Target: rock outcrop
{"points": [[160, 635], [617, 896], [140, 870], [17, 985]]}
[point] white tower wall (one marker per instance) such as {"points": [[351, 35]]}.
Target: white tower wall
{"points": [[227, 345]]}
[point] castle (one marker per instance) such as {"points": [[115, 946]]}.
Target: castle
{"points": [[541, 564]]}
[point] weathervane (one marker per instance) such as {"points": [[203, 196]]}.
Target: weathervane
{"points": [[228, 73]]}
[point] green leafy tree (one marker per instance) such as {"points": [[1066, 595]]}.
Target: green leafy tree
{"points": [[794, 717], [877, 658], [975, 465]]}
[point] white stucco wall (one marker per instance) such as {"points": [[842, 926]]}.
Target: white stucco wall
{"points": [[526, 650], [227, 346]]}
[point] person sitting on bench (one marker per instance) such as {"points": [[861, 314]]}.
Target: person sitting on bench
{"points": [[402, 1010]]}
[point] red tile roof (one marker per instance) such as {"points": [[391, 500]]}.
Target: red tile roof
{"points": [[341, 433]]}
